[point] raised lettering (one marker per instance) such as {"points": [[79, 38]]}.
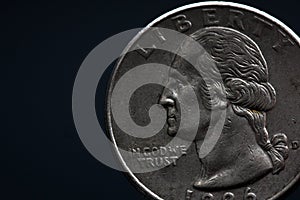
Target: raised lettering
{"points": [[188, 194], [210, 17], [181, 23], [145, 52], [283, 41], [295, 145], [260, 26], [249, 195], [235, 19], [159, 35]]}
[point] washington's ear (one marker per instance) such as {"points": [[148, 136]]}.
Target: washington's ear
{"points": [[218, 98]]}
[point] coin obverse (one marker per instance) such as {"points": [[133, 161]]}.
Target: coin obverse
{"points": [[243, 82]]}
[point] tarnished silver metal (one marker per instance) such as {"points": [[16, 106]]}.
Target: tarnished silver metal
{"points": [[246, 73]]}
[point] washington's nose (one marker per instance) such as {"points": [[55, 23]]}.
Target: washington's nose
{"points": [[167, 101]]}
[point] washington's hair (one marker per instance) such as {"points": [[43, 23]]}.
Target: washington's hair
{"points": [[244, 73]]}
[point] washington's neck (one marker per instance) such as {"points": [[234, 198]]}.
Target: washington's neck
{"points": [[235, 159]]}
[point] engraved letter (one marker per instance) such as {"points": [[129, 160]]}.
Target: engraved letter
{"points": [[295, 145], [183, 150], [145, 52], [163, 151], [167, 161], [174, 158], [181, 23], [235, 19], [261, 24], [159, 35], [210, 17], [283, 41], [188, 194]]}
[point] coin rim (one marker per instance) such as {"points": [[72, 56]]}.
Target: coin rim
{"points": [[182, 8]]}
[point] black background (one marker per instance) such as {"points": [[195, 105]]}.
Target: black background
{"points": [[43, 155]]}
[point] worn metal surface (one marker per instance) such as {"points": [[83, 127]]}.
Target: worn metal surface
{"points": [[256, 156]]}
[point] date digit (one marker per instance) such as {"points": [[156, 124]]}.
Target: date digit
{"points": [[228, 196], [207, 196], [249, 195]]}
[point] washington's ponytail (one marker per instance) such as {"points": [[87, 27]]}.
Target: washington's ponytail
{"points": [[276, 148]]}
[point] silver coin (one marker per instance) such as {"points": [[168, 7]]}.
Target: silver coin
{"points": [[242, 81]]}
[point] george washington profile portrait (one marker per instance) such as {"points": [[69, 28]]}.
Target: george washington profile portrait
{"points": [[245, 151]]}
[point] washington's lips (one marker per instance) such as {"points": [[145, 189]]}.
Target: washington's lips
{"points": [[172, 120], [169, 104]]}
